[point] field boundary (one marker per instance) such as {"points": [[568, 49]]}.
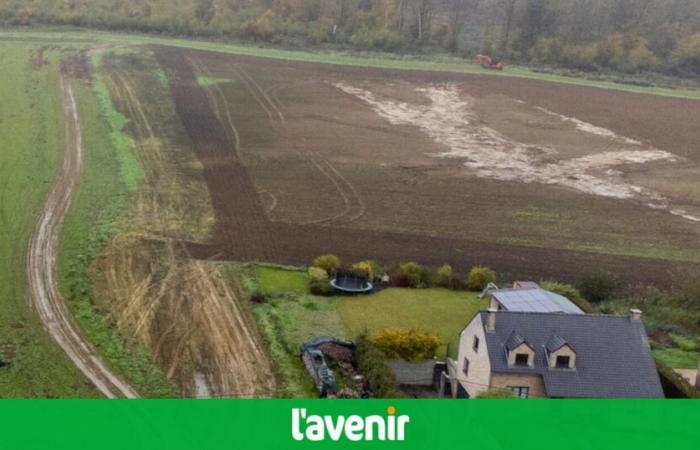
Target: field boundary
{"points": [[340, 58]]}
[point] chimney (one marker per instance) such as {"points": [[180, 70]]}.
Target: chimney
{"points": [[635, 314], [491, 320]]}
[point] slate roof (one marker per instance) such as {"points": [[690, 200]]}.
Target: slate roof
{"points": [[555, 342], [534, 300], [613, 358], [514, 340]]}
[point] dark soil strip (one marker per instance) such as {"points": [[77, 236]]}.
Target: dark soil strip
{"points": [[244, 233]]}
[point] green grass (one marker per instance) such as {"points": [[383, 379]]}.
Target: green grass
{"points": [[208, 81], [129, 166], [440, 311], [275, 281], [31, 131], [677, 358], [380, 61]]}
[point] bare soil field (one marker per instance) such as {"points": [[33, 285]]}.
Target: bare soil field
{"points": [[535, 179]]}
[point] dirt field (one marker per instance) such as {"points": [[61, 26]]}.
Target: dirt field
{"points": [[534, 179]]}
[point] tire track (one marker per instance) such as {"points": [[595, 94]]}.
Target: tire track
{"points": [[42, 255]]}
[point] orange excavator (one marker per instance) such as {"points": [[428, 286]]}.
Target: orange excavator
{"points": [[490, 62]]}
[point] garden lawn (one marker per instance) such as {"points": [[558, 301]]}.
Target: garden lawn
{"points": [[275, 282], [677, 358], [440, 311]]}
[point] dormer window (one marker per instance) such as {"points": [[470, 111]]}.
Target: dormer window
{"points": [[560, 353], [563, 362], [522, 359]]}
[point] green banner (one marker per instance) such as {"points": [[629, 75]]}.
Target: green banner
{"points": [[409, 424]]}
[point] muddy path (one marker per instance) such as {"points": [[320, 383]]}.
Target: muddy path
{"points": [[42, 256], [245, 233]]}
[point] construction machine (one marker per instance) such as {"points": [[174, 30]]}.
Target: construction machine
{"points": [[489, 62]]}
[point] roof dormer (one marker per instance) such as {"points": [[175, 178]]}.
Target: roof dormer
{"points": [[519, 352], [560, 355]]}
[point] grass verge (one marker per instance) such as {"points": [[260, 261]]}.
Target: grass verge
{"points": [[379, 61], [31, 129]]}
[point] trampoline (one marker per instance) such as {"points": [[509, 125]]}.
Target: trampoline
{"points": [[351, 284]]}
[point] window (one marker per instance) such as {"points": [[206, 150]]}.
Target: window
{"points": [[475, 345], [562, 362], [522, 359], [520, 391], [465, 368]]}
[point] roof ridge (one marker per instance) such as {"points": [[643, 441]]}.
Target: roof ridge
{"points": [[625, 316]]}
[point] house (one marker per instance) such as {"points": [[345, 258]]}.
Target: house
{"points": [[529, 296], [536, 354]]}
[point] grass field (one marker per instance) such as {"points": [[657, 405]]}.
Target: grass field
{"points": [[32, 135]]}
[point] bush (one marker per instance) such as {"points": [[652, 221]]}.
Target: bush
{"points": [[641, 58], [317, 274], [371, 363], [329, 263], [579, 56], [367, 269], [322, 288], [598, 286], [480, 277], [411, 274], [258, 297], [569, 292], [444, 276], [410, 345], [674, 385], [372, 39]]}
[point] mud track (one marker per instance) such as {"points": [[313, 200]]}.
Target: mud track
{"points": [[42, 256], [245, 233]]}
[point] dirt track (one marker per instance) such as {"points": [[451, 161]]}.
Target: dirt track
{"points": [[42, 256]]}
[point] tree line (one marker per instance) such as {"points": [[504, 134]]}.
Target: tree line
{"points": [[622, 35]]}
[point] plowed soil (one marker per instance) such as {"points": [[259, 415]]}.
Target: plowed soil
{"points": [[250, 220]]}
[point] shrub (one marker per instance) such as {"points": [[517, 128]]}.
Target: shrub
{"points": [[569, 292], [598, 286], [684, 343], [410, 345], [322, 288], [372, 39], [317, 274], [674, 385], [258, 297], [367, 269], [641, 58], [480, 277], [411, 274], [371, 363], [444, 276], [329, 263], [579, 56]]}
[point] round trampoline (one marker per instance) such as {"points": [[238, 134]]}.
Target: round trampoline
{"points": [[351, 284]]}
